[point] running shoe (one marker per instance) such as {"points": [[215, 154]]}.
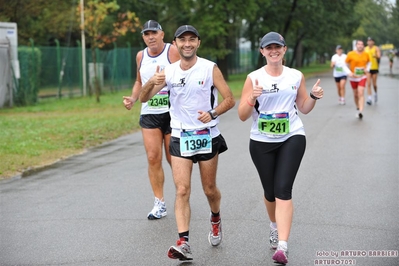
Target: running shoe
{"points": [[215, 234], [273, 238], [281, 255], [182, 251], [369, 102], [158, 211], [375, 98], [359, 115]]}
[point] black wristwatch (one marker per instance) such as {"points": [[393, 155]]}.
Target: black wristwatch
{"points": [[213, 114]]}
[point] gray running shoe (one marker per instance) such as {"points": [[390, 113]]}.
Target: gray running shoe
{"points": [[182, 251], [273, 238], [281, 255], [215, 234], [158, 211]]}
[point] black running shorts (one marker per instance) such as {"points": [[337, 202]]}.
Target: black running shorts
{"points": [[161, 121], [218, 146]]}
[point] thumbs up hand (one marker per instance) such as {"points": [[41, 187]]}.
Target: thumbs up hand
{"points": [[317, 91], [159, 77], [257, 90]]}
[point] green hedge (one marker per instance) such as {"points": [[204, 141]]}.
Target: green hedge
{"points": [[30, 67]]}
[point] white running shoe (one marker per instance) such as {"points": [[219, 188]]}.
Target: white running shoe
{"points": [[158, 211], [273, 238]]}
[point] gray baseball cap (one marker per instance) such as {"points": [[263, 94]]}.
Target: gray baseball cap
{"points": [[186, 28], [151, 25], [272, 37]]}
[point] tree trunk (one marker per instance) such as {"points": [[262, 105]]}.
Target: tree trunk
{"points": [[223, 66], [299, 55]]}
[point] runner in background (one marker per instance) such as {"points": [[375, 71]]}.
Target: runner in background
{"points": [[338, 64], [359, 65], [375, 55]]}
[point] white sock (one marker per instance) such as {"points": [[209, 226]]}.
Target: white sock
{"points": [[273, 225], [283, 244]]}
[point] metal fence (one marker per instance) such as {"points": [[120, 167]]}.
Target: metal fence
{"points": [[62, 71]]}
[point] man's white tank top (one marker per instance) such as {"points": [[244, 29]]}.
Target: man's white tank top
{"points": [[190, 91], [158, 104], [277, 100]]}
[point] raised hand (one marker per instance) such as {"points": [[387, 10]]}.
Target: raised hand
{"points": [[317, 91], [159, 77], [257, 90]]}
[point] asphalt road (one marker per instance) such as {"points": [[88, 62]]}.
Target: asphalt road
{"points": [[91, 209]]}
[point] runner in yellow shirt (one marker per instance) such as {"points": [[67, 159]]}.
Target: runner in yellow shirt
{"points": [[375, 55]]}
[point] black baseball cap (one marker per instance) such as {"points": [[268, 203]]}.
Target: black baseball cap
{"points": [[186, 28], [151, 25], [272, 37]]}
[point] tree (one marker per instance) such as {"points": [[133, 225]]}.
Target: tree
{"points": [[308, 25], [36, 20], [373, 20], [392, 26], [97, 17], [220, 23]]}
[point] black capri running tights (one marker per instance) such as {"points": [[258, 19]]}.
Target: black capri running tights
{"points": [[277, 165]]}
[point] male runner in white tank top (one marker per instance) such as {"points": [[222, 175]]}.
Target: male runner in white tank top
{"points": [[154, 117], [194, 84]]}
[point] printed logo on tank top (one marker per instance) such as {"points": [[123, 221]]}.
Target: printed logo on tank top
{"points": [[180, 84], [273, 89]]}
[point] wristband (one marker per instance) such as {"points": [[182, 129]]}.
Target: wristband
{"points": [[313, 97], [250, 104]]}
